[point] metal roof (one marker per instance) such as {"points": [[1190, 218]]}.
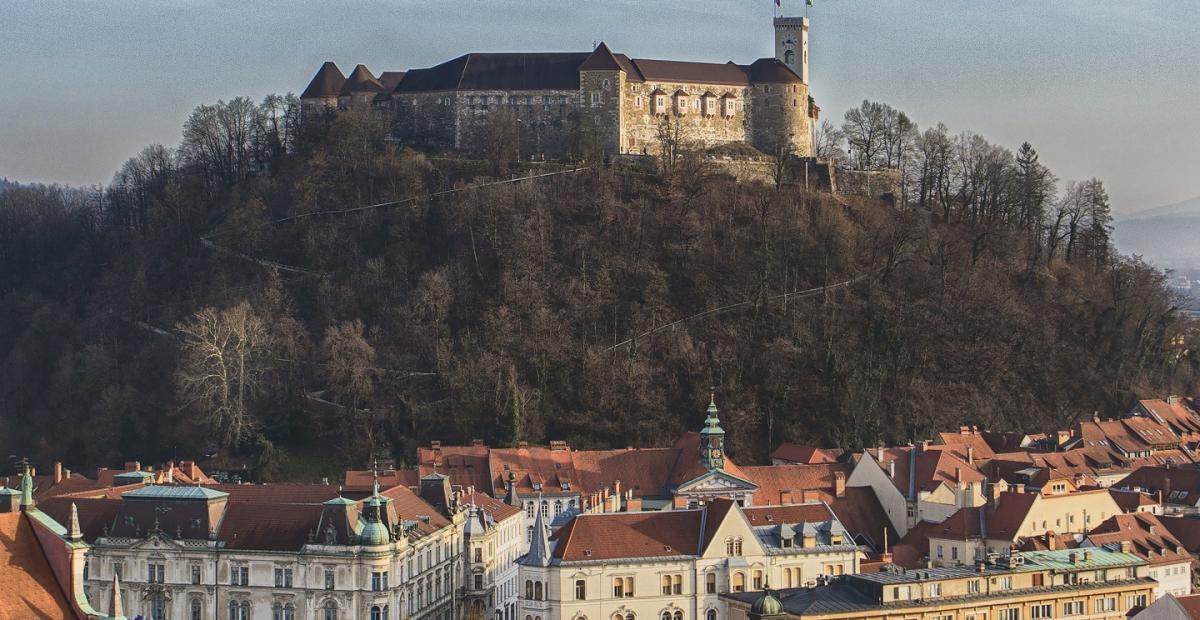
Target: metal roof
{"points": [[160, 491]]}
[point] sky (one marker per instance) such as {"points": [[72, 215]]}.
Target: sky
{"points": [[1106, 89]]}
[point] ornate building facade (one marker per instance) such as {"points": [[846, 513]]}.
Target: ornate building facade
{"points": [[625, 105]]}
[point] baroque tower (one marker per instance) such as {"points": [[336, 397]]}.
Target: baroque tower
{"points": [[712, 440], [791, 44]]}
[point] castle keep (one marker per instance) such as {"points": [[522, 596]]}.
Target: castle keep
{"points": [[624, 104]]}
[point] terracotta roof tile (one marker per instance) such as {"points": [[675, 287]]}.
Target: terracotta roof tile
{"points": [[494, 507], [806, 455], [1178, 485], [267, 527], [28, 588], [1190, 604], [608, 536], [1185, 529], [785, 484], [326, 83], [361, 81], [1147, 536], [863, 516], [795, 513]]}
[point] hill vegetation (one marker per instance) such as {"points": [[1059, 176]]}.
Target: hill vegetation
{"points": [[226, 297]]}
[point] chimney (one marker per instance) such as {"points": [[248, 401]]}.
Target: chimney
{"points": [[1051, 541], [1087, 555], [958, 474], [133, 466], [435, 445], [58, 472], [680, 502], [1073, 557], [617, 488], [892, 469], [633, 504], [192, 470], [67, 474], [1019, 488], [839, 484], [879, 453], [964, 430], [924, 446], [477, 443], [1172, 400], [522, 445], [995, 489], [970, 455], [1166, 486]]}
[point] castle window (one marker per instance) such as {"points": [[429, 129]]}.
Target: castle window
{"points": [[595, 98], [660, 104], [683, 103], [606, 84], [637, 101]]}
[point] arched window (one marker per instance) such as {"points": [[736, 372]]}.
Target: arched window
{"points": [[277, 611], [197, 610], [710, 615], [537, 591], [737, 546], [789, 57], [386, 609], [528, 591], [739, 582], [558, 505], [666, 615], [244, 612], [376, 613], [629, 616], [330, 611], [289, 612], [678, 614], [233, 610]]}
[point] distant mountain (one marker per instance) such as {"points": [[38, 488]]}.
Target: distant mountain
{"points": [[1167, 236]]}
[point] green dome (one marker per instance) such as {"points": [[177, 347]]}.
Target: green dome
{"points": [[374, 534], [767, 605]]}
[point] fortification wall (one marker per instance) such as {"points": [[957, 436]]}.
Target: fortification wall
{"points": [[641, 119], [779, 112]]}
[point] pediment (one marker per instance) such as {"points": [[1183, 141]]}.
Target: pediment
{"points": [[717, 481], [157, 541]]}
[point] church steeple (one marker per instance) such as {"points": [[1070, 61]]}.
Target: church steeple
{"points": [[712, 439]]}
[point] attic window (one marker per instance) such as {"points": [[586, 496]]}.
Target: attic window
{"points": [[537, 486], [506, 467], [195, 523], [667, 548], [587, 552], [566, 486]]}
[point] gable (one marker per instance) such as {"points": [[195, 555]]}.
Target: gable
{"points": [[730, 523], [716, 482]]}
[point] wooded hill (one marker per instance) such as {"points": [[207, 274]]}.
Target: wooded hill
{"points": [[172, 314]]}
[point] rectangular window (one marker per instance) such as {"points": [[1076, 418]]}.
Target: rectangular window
{"points": [[618, 587], [710, 583], [595, 98], [935, 590], [1005, 583], [478, 554], [939, 551], [195, 575], [1106, 604], [1012, 613], [1041, 611], [953, 553], [239, 575], [329, 579], [580, 590], [973, 586], [1073, 608], [637, 101], [118, 569]]}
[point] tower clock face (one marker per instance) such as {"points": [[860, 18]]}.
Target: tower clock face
{"points": [[789, 42], [715, 453]]}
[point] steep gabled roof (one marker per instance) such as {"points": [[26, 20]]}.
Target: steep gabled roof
{"points": [[1147, 538], [806, 455], [361, 81], [326, 83], [28, 587], [601, 59], [390, 79], [785, 484]]}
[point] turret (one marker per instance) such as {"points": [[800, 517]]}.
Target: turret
{"points": [[539, 545], [791, 44]]}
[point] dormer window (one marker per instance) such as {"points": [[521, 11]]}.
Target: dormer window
{"points": [[729, 103]]}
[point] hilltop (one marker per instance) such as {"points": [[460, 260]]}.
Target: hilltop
{"points": [[598, 306]]}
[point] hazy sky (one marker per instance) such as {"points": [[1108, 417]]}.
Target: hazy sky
{"points": [[1106, 88]]}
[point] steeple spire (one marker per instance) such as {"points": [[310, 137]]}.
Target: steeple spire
{"points": [[539, 546]]}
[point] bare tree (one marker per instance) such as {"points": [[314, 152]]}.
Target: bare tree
{"points": [[225, 356], [674, 142], [828, 142]]}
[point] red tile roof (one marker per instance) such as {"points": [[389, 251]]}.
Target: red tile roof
{"points": [[28, 587], [608, 536], [795, 513], [1183, 420], [863, 516], [1148, 538], [807, 455], [1190, 604], [785, 484], [965, 438], [1001, 522], [1178, 485], [268, 527], [1185, 529], [494, 507]]}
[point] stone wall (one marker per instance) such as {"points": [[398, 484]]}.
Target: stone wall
{"points": [[779, 112], [448, 119], [600, 104], [704, 128], [882, 184]]}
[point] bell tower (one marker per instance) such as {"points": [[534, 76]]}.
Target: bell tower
{"points": [[712, 439], [791, 44]]}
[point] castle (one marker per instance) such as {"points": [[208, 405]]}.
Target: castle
{"points": [[627, 105]]}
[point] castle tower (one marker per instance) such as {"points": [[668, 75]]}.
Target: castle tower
{"points": [[791, 44]]}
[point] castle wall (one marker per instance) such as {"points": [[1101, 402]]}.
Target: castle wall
{"points": [[641, 120], [779, 113], [601, 103], [449, 119]]}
